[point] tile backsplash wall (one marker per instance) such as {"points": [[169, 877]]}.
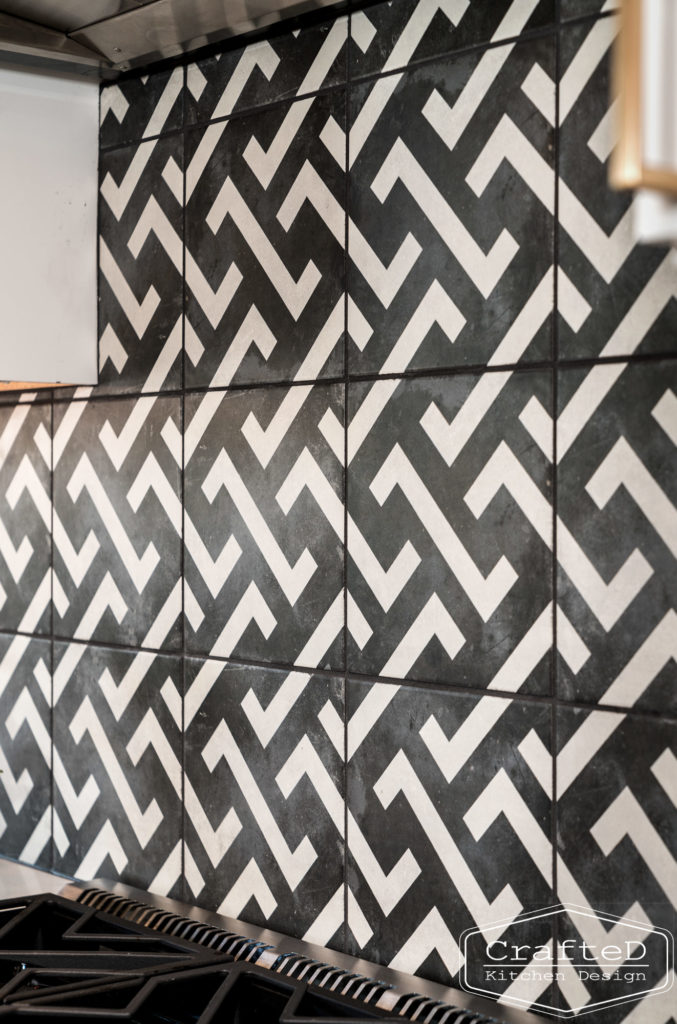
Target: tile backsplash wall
{"points": [[373, 512]]}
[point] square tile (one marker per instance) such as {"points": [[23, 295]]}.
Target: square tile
{"points": [[141, 267], [284, 65], [141, 107], [451, 233], [265, 235], [264, 821], [616, 298], [617, 534], [117, 766], [264, 526], [448, 826], [617, 831], [117, 521], [390, 35], [25, 517], [25, 750], [450, 531]]}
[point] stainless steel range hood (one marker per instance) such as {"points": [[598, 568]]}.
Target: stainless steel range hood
{"points": [[102, 38]]}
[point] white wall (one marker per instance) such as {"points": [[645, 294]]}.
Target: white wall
{"points": [[48, 219]]}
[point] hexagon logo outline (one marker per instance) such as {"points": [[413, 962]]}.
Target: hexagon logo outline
{"points": [[571, 910]]}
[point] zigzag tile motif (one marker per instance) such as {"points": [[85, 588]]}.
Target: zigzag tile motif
{"points": [[117, 522], [25, 746], [448, 828], [618, 835], [140, 108], [141, 267], [387, 36], [264, 262], [264, 798], [627, 293], [451, 230], [287, 64], [25, 517], [450, 531], [117, 766], [264, 526], [449, 203], [617, 502]]}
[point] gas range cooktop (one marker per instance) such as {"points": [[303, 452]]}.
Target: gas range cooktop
{"points": [[105, 957], [101, 952]]}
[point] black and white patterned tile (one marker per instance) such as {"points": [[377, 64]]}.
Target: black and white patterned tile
{"points": [[117, 521], [141, 107], [25, 750], [117, 766], [450, 531], [581, 8], [25, 517], [284, 65], [264, 804], [617, 532], [36, 397], [451, 198], [448, 826], [623, 293], [265, 236], [264, 526], [387, 36], [141, 267], [618, 836]]}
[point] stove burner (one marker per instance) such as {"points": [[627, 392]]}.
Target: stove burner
{"points": [[77, 962]]}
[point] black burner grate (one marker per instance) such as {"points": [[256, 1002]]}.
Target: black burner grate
{"points": [[108, 959]]}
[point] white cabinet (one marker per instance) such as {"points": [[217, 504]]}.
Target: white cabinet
{"points": [[48, 228]]}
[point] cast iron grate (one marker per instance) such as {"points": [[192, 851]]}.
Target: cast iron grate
{"points": [[109, 960]]}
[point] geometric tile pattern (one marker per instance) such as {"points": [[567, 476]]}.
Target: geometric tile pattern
{"points": [[264, 526], [452, 192], [625, 294], [140, 267], [25, 517], [264, 797], [25, 749], [448, 820], [388, 36], [617, 501], [117, 765], [141, 108], [264, 262], [283, 66], [616, 821], [374, 508], [117, 521], [450, 531]]}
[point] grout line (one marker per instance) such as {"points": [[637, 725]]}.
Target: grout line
{"points": [[489, 44], [473, 369], [346, 397], [183, 888], [585, 19], [52, 858], [357, 676], [554, 663]]}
